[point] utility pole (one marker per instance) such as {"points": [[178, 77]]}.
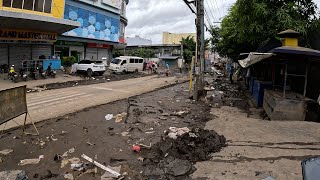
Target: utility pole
{"points": [[199, 55], [199, 63]]}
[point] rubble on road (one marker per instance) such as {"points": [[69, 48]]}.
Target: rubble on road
{"points": [[174, 157], [14, 175], [31, 161]]}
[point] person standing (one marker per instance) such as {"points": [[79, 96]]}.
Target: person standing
{"points": [[231, 74], [248, 78]]}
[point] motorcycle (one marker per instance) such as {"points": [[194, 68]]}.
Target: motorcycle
{"points": [[52, 73], [23, 75], [13, 77]]}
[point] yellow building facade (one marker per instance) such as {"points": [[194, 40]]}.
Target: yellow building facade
{"points": [[175, 38], [54, 8]]}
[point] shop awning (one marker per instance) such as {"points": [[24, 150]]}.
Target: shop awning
{"points": [[253, 58], [17, 20], [296, 50]]}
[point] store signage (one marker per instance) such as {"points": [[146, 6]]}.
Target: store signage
{"points": [[96, 45], [7, 34], [70, 43]]}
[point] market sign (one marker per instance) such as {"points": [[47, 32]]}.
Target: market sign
{"points": [[10, 34], [96, 45], [13, 103], [70, 43]]}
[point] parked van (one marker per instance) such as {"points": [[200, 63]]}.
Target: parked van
{"points": [[126, 64]]}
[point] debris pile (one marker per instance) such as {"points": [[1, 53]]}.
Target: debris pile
{"points": [[174, 156]]}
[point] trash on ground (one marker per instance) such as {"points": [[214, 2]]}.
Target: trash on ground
{"points": [[14, 175], [74, 160], [68, 176], [6, 151], [144, 146], [70, 151], [30, 161], [181, 113], [269, 178], [108, 117], [101, 166], [136, 148], [53, 138], [175, 132], [80, 166], [119, 117], [90, 144], [107, 175], [125, 134]]}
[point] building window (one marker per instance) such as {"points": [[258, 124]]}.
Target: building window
{"points": [[33, 5], [17, 4], [7, 3]]}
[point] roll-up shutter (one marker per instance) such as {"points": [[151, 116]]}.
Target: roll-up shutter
{"points": [[39, 50], [92, 53], [103, 53], [19, 52], [3, 54]]}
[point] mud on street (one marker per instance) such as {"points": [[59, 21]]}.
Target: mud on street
{"points": [[142, 120]]}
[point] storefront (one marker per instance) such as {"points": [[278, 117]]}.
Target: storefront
{"points": [[98, 51], [70, 48], [18, 45]]}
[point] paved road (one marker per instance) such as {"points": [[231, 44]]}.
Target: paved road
{"points": [[53, 103]]}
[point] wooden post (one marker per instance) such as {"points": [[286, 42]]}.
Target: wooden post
{"points": [[306, 80], [285, 81]]}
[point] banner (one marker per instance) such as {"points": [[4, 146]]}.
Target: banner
{"points": [[13, 103], [10, 34]]}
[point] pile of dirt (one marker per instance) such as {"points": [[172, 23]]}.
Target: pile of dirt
{"points": [[174, 157]]}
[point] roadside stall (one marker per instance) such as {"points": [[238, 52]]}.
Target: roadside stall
{"points": [[283, 90]]}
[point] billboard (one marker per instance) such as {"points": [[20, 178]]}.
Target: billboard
{"points": [[13, 103], [93, 25]]}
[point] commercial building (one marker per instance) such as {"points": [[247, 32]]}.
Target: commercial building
{"points": [[28, 29], [175, 38], [138, 41], [102, 28]]}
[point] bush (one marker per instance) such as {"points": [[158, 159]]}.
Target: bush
{"points": [[68, 61]]}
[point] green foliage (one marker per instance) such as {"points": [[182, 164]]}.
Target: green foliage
{"points": [[142, 52], [250, 22], [189, 48], [117, 53], [68, 61]]}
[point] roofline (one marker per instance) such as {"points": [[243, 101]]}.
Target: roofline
{"points": [[157, 45]]}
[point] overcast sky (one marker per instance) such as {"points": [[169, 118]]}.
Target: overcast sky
{"points": [[149, 18]]}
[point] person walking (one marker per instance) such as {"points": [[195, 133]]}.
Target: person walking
{"points": [[231, 74]]}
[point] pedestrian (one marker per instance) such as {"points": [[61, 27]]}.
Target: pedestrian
{"points": [[144, 65], [167, 69], [248, 78], [231, 74]]}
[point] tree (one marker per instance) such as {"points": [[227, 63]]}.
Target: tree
{"points": [[189, 48], [117, 53], [250, 22]]}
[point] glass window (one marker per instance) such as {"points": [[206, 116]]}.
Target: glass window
{"points": [[28, 4], [17, 4], [47, 6], [136, 61], [7, 3], [140, 60], [38, 5], [131, 60], [124, 62]]}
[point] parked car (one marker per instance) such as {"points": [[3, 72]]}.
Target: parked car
{"points": [[126, 64], [91, 67]]}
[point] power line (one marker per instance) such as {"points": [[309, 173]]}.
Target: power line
{"points": [[210, 9], [218, 9]]}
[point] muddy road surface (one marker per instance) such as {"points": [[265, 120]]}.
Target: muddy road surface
{"points": [[142, 120]]}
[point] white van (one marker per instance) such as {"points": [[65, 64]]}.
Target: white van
{"points": [[126, 64]]}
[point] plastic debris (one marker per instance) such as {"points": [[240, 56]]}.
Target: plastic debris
{"points": [[136, 148], [108, 117], [14, 174], [101, 166], [6, 151], [68, 176], [70, 151], [53, 138], [119, 117], [80, 166], [74, 160], [269, 178], [125, 134], [175, 132], [107, 175], [30, 161]]}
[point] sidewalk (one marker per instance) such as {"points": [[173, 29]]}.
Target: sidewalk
{"points": [[61, 77]]}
